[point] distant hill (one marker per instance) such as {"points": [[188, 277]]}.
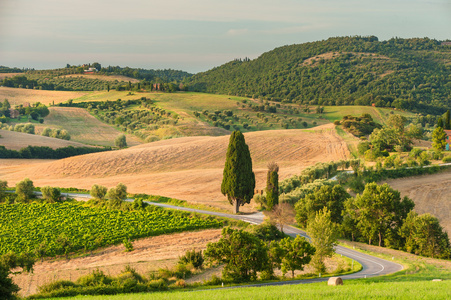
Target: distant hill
{"points": [[410, 74]]}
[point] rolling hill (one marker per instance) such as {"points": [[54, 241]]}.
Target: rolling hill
{"points": [[187, 168], [410, 74]]}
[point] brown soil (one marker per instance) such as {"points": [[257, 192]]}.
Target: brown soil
{"points": [[18, 140], [149, 254], [190, 168], [431, 194]]}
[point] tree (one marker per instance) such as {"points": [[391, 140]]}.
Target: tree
{"points": [[323, 234], [332, 197], [272, 186], [25, 190], [425, 236], [98, 191], [295, 254], [439, 139], [397, 122], [51, 193], [117, 195], [3, 187], [242, 253], [9, 261], [238, 181], [379, 212], [120, 141], [282, 214]]}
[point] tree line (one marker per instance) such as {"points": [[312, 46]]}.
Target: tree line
{"points": [[44, 152]]}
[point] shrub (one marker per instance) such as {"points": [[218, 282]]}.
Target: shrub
{"points": [[51, 193], [96, 278], [447, 159], [56, 285], [193, 257]]}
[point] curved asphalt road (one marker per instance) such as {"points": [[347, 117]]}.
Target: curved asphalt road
{"points": [[371, 266]]}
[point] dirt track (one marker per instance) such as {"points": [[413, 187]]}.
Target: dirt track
{"points": [[188, 168]]}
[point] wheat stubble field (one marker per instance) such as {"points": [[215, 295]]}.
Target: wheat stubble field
{"points": [[188, 168]]}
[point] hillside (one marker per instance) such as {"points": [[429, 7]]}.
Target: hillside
{"points": [[187, 168], [21, 96], [410, 74], [17, 140], [431, 195]]}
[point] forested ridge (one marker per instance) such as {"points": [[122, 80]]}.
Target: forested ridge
{"points": [[412, 74]]}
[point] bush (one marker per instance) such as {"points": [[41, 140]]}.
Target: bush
{"points": [[193, 257], [56, 285], [446, 159], [51, 194]]}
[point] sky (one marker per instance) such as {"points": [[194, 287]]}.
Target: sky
{"points": [[197, 35]]}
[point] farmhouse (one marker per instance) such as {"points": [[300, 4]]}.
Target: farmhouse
{"points": [[90, 71], [448, 139]]}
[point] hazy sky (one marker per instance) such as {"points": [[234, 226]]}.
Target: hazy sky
{"points": [[196, 35]]}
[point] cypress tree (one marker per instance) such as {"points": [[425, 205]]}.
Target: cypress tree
{"points": [[272, 186], [238, 181]]}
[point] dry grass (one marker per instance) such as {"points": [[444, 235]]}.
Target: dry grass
{"points": [[9, 75], [431, 194], [83, 127], [18, 140], [190, 168], [104, 77], [20, 96], [149, 254]]}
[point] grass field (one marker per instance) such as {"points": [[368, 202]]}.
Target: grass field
{"points": [[20, 96], [83, 127]]}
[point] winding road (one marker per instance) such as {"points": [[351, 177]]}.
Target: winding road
{"points": [[371, 265]]}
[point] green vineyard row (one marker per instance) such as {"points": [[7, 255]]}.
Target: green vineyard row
{"points": [[60, 228]]}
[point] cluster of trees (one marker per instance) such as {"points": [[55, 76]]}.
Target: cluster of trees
{"points": [[24, 128], [24, 193], [245, 255], [392, 137], [358, 126], [378, 216], [56, 133], [439, 136], [37, 111], [408, 74], [44, 152], [125, 114]]}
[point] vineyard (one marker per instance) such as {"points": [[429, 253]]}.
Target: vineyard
{"points": [[60, 228]]}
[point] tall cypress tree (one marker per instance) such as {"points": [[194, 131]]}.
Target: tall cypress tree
{"points": [[238, 181], [272, 186]]}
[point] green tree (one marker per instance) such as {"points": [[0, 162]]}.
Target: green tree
{"points": [[52, 194], [120, 141], [295, 254], [98, 191], [424, 235], [25, 190], [9, 261], [272, 186], [116, 195], [323, 234], [332, 197], [439, 139], [379, 212], [3, 187], [242, 253], [238, 181]]}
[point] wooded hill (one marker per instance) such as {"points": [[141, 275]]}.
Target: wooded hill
{"points": [[411, 74]]}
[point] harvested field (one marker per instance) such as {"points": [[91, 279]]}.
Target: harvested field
{"points": [[190, 168], [83, 127], [20, 96], [149, 254], [104, 77], [9, 75], [17, 140], [431, 194]]}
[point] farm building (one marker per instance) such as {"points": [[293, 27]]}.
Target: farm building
{"points": [[448, 139], [13, 113]]}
